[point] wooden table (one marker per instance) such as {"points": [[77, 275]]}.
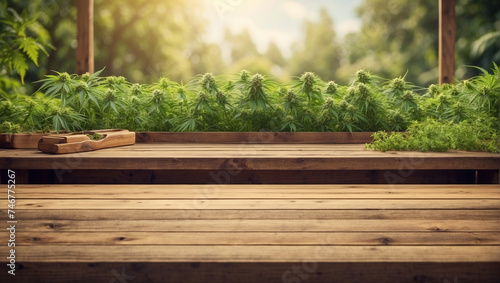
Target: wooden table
{"points": [[256, 233], [251, 163], [247, 212]]}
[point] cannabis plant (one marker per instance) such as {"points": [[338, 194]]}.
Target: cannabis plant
{"points": [[309, 85]]}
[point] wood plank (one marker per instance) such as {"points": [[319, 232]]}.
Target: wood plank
{"points": [[203, 203], [262, 191], [318, 272], [239, 157], [249, 152], [256, 253], [253, 163], [243, 146], [447, 26], [254, 238], [85, 36], [262, 225], [255, 137], [207, 214]]}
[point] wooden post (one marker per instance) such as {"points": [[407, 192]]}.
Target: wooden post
{"points": [[85, 37], [447, 26]]}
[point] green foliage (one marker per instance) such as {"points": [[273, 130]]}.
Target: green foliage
{"points": [[318, 49], [395, 37], [21, 41], [400, 36], [310, 85], [432, 135], [452, 116], [95, 136], [9, 128]]}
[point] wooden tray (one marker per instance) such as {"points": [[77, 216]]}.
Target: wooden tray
{"points": [[80, 142]]}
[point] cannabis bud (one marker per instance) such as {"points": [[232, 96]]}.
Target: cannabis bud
{"points": [[408, 95], [363, 90], [244, 75], [433, 90], [110, 95], [397, 84], [331, 87], [136, 89], [208, 82], [158, 96], [81, 87], [290, 96], [64, 77], [308, 79], [85, 77], [363, 76], [164, 83]]}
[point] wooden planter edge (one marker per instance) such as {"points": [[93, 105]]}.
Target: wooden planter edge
{"points": [[28, 141], [256, 137]]}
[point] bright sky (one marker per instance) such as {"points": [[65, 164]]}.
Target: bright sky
{"points": [[276, 20]]}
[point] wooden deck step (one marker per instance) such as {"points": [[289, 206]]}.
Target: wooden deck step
{"points": [[241, 157], [289, 233]]}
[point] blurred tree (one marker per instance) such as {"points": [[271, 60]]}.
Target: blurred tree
{"points": [[245, 56], [478, 35], [143, 40], [241, 45], [318, 50], [206, 57], [258, 64], [402, 35], [274, 54]]}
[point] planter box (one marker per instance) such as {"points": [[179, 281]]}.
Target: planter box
{"points": [[256, 137], [20, 140], [31, 140]]}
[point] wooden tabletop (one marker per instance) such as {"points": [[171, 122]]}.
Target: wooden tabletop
{"points": [[431, 231], [198, 156]]}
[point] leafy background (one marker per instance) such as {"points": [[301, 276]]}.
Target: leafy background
{"points": [[324, 86], [146, 40]]}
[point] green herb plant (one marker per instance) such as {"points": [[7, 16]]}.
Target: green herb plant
{"points": [[463, 115]]}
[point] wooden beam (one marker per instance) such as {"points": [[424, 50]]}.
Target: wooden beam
{"points": [[447, 26], [85, 37]]}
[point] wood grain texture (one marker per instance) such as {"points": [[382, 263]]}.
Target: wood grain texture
{"points": [[257, 238], [74, 143], [211, 253], [242, 213], [340, 231], [200, 202], [20, 140], [262, 191], [85, 36], [256, 233], [447, 27], [240, 157], [262, 225], [256, 137]]}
